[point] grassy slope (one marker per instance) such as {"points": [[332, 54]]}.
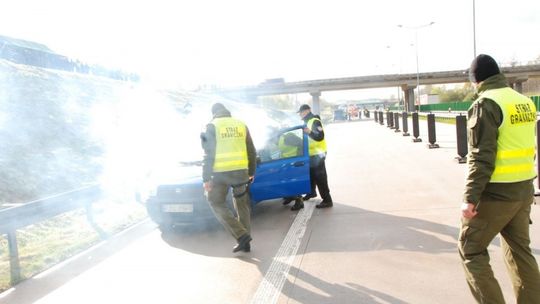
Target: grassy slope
{"points": [[47, 147]]}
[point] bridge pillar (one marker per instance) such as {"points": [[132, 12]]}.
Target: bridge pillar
{"points": [[517, 84], [408, 92], [316, 103]]}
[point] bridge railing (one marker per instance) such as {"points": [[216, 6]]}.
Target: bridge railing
{"points": [[14, 218]]}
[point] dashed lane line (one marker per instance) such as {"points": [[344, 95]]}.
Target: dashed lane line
{"points": [[270, 288]]}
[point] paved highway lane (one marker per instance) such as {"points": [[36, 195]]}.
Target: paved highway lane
{"points": [[390, 238], [145, 266]]}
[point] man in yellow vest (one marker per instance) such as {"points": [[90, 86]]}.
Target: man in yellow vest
{"points": [[229, 162], [290, 145], [317, 156], [499, 190]]}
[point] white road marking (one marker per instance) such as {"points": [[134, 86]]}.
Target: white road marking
{"points": [[274, 279]]}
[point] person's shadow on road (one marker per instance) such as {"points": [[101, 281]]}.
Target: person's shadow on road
{"points": [[326, 292], [367, 231]]}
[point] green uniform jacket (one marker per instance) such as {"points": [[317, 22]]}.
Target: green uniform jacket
{"points": [[208, 141], [484, 119]]}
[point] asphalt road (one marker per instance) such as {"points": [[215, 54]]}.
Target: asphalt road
{"points": [[390, 238]]}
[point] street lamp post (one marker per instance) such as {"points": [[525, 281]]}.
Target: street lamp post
{"points": [[416, 28], [474, 26], [399, 64]]}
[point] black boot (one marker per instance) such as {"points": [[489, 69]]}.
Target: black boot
{"points": [[298, 204], [243, 243], [325, 204]]}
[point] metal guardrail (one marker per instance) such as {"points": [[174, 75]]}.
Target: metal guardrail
{"points": [[442, 117], [458, 118], [14, 218], [455, 118]]}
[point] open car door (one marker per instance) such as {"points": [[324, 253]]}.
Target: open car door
{"points": [[282, 166]]}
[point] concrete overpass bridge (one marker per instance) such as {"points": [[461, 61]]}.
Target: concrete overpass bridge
{"points": [[407, 82]]}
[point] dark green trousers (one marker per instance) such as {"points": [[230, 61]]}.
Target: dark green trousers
{"points": [[511, 220], [221, 183]]}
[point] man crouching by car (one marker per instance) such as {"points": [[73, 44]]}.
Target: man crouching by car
{"points": [[229, 161]]}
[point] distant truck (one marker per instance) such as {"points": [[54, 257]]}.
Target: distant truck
{"points": [[272, 81], [339, 115], [352, 112], [346, 112]]}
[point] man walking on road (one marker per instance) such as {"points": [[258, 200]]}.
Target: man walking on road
{"points": [[229, 161], [317, 156], [499, 190]]}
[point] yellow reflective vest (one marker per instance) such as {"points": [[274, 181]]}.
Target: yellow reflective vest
{"points": [[231, 150], [516, 144], [286, 150], [315, 147]]}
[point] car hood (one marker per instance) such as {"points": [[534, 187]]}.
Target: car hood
{"points": [[183, 173]]}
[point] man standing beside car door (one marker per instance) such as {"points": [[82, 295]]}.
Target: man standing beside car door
{"points": [[317, 156], [229, 162]]}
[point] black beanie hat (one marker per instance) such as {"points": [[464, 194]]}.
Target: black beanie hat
{"points": [[218, 107], [483, 67], [303, 108]]}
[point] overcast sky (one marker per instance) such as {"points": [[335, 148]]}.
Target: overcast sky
{"points": [[237, 42]]}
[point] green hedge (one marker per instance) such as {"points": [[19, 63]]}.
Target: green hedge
{"points": [[455, 106], [536, 100], [460, 105]]}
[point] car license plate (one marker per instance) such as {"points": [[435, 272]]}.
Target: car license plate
{"points": [[180, 208]]}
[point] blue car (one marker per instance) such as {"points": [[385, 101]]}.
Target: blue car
{"points": [[181, 200]]}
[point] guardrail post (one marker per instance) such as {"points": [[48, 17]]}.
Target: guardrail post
{"points": [[461, 132], [396, 122], [381, 118], [32, 212], [404, 117], [432, 136], [15, 267], [90, 217], [415, 128]]}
